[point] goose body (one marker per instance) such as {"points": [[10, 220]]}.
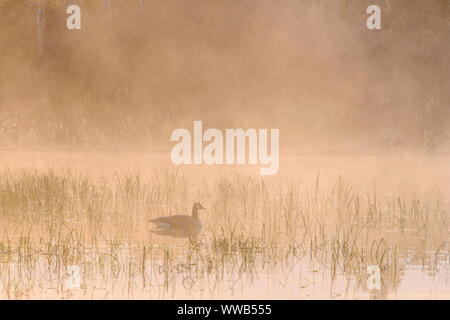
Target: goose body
{"points": [[179, 225]]}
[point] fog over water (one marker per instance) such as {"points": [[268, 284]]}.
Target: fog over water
{"points": [[138, 70]]}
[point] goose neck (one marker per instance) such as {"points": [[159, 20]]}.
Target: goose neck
{"points": [[194, 212]]}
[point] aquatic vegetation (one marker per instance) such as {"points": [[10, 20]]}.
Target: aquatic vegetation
{"points": [[257, 234]]}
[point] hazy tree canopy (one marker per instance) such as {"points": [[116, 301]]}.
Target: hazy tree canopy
{"points": [[136, 71]]}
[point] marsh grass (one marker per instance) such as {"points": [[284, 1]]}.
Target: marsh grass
{"points": [[255, 232]]}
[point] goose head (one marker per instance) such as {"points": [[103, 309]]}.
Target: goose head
{"points": [[197, 206]]}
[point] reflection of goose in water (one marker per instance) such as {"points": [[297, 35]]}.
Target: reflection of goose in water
{"points": [[179, 226]]}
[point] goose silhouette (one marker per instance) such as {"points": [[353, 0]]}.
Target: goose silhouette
{"points": [[179, 226]]}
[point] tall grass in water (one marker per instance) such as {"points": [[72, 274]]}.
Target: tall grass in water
{"points": [[255, 230]]}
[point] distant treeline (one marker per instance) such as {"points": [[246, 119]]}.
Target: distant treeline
{"points": [[138, 69]]}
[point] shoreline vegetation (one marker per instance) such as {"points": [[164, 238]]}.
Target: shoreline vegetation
{"points": [[255, 233], [127, 132]]}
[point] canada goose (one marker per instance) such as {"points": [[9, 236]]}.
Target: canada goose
{"points": [[179, 226]]}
